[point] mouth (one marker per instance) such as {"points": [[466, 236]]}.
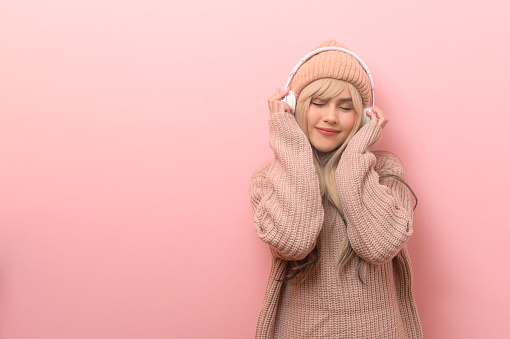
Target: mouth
{"points": [[327, 131]]}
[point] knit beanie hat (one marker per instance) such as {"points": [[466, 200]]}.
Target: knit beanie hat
{"points": [[336, 65]]}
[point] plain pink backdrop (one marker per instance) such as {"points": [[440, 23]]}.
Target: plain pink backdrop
{"points": [[129, 131]]}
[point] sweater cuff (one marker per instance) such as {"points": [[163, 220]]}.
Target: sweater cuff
{"points": [[284, 129], [367, 137]]}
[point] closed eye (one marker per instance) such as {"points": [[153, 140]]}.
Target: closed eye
{"points": [[318, 105], [321, 105]]}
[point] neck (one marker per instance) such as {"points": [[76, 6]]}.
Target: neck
{"points": [[323, 157]]}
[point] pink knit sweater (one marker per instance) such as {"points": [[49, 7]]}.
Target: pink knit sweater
{"points": [[290, 217]]}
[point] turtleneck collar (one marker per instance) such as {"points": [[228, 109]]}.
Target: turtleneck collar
{"points": [[323, 156]]}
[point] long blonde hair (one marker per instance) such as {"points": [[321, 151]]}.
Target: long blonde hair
{"points": [[325, 89]]}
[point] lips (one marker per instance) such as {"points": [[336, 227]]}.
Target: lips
{"points": [[327, 131]]}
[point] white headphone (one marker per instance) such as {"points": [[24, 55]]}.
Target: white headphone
{"points": [[291, 98]]}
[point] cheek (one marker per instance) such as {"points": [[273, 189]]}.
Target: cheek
{"points": [[348, 121], [311, 117]]}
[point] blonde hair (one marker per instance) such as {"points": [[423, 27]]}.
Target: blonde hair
{"points": [[325, 89]]}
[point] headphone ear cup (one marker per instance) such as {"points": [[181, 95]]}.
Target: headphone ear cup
{"points": [[366, 119], [290, 99]]}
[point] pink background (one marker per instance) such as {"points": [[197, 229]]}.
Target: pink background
{"points": [[129, 131]]}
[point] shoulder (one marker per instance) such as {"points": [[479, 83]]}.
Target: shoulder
{"points": [[388, 163], [261, 170]]}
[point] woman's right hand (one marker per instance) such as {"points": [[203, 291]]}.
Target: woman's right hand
{"points": [[276, 104]]}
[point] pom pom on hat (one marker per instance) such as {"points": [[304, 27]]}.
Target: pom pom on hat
{"points": [[332, 64]]}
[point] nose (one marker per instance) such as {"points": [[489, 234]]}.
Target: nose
{"points": [[330, 114]]}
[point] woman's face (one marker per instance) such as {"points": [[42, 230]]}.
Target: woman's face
{"points": [[330, 122]]}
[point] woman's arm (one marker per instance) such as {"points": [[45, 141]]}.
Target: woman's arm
{"points": [[285, 194], [379, 214]]}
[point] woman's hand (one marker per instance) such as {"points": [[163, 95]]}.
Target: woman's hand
{"points": [[276, 104], [378, 115]]}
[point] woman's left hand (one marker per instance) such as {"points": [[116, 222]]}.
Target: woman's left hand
{"points": [[378, 115]]}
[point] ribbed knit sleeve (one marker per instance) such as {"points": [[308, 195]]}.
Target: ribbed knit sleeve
{"points": [[378, 214], [285, 194]]}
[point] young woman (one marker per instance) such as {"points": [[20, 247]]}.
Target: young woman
{"points": [[336, 214]]}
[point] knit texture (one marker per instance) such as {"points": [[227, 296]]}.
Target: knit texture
{"points": [[290, 217], [333, 64]]}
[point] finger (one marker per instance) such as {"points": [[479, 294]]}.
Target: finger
{"points": [[278, 95], [283, 107], [379, 112], [288, 108], [276, 106], [283, 93], [382, 115], [382, 119], [273, 107]]}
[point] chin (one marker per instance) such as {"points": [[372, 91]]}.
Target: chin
{"points": [[325, 149], [324, 146]]}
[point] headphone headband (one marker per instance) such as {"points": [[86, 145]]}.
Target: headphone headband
{"points": [[334, 48]]}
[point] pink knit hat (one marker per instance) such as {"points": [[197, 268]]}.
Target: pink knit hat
{"points": [[332, 64]]}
